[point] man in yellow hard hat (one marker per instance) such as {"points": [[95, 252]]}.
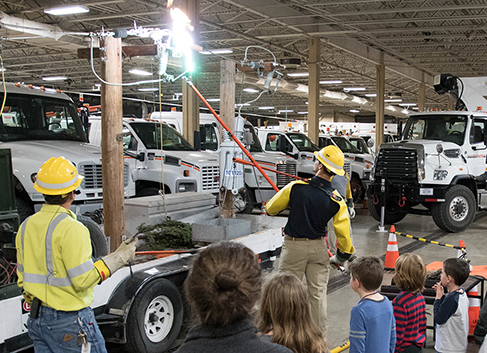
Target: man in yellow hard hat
{"points": [[55, 268], [312, 205]]}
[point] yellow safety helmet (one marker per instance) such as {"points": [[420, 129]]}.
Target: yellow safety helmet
{"points": [[57, 176], [332, 158]]}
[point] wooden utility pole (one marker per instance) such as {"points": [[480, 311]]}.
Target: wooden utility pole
{"points": [[379, 114], [314, 49], [111, 141]]}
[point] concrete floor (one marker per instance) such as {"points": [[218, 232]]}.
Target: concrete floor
{"points": [[367, 241]]}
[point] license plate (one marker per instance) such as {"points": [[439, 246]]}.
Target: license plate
{"points": [[426, 192]]}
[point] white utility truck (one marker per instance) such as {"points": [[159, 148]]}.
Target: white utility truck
{"points": [[257, 189], [174, 165], [39, 123], [436, 163]]}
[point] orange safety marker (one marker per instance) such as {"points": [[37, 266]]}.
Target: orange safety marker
{"points": [[392, 250], [262, 209], [473, 310]]}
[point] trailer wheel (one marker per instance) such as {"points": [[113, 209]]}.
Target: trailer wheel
{"points": [[98, 239], [155, 318], [248, 197], [389, 217], [357, 189], [457, 212]]}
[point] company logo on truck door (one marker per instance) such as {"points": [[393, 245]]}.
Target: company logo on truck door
{"points": [[475, 155]]}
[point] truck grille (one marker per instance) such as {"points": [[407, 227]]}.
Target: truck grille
{"points": [[289, 168], [93, 176], [399, 164], [210, 178]]}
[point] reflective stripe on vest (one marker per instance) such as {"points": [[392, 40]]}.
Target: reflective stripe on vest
{"points": [[49, 278]]}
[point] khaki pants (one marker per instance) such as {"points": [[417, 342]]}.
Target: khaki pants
{"points": [[309, 258]]}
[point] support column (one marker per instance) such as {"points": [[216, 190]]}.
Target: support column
{"points": [[111, 142], [191, 111], [379, 112], [421, 95], [314, 49]]}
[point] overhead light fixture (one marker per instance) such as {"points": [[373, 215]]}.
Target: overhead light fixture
{"points": [[302, 112], [407, 104], [67, 10], [217, 51], [298, 74], [54, 78], [349, 89], [140, 72], [394, 100], [354, 111], [213, 100], [415, 108], [286, 111], [148, 89], [266, 108], [332, 82], [250, 90], [241, 104], [371, 94]]}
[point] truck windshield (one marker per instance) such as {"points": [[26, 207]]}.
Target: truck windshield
{"points": [[150, 134], [302, 142], [345, 145], [448, 128], [30, 117], [360, 144]]}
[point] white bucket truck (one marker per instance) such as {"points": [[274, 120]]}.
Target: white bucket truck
{"points": [[176, 165], [39, 123], [257, 189], [437, 162]]}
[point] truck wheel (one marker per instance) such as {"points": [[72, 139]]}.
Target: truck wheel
{"points": [[357, 189], [249, 199], [98, 239], [389, 217], [23, 208], [155, 318], [458, 210]]}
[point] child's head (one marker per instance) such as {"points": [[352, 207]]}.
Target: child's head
{"points": [[224, 283], [410, 273], [456, 270], [368, 271], [285, 310]]}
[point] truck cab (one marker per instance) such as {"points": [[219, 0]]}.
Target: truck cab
{"points": [[38, 123], [173, 164], [435, 166]]}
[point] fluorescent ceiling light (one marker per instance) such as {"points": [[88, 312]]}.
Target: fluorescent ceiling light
{"points": [[140, 72], [348, 89], [54, 78], [332, 82], [216, 51], [307, 102], [251, 90], [395, 100], [371, 94], [213, 100], [148, 89], [286, 111], [407, 104], [298, 74], [266, 108], [241, 104], [302, 112], [67, 10], [415, 108], [354, 111]]}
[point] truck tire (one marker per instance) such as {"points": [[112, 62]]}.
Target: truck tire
{"points": [[357, 188], [457, 212], [23, 208], [98, 239], [155, 318], [249, 199], [389, 217]]}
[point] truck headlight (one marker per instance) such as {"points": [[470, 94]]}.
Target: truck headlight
{"points": [[440, 174], [421, 172], [371, 176], [185, 187]]}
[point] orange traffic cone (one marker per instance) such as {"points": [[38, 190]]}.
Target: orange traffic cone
{"points": [[462, 248], [262, 209], [392, 250], [473, 310]]}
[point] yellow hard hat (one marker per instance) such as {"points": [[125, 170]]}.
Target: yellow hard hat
{"points": [[57, 176], [332, 158]]}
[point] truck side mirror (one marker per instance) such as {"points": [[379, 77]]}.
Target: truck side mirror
{"points": [[197, 140], [248, 138], [141, 156], [370, 143]]}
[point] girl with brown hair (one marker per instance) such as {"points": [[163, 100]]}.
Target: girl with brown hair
{"points": [[222, 288], [285, 317]]}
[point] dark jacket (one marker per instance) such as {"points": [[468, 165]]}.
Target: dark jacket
{"points": [[240, 337]]}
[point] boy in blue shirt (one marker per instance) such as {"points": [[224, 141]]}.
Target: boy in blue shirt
{"points": [[451, 311], [372, 323]]}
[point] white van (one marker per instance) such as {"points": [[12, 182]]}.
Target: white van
{"points": [[177, 165]]}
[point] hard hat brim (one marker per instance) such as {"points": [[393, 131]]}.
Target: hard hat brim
{"points": [[327, 164]]}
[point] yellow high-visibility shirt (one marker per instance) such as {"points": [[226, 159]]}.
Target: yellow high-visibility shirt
{"points": [[54, 259]]}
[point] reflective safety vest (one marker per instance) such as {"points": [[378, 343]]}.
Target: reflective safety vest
{"points": [[54, 259]]}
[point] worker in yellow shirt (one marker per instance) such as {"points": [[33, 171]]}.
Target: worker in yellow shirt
{"points": [[55, 268]]}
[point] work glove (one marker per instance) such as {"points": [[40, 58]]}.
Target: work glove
{"points": [[351, 209], [117, 259], [335, 261]]}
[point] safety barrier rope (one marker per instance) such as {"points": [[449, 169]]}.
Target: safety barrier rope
{"points": [[341, 348], [430, 241]]}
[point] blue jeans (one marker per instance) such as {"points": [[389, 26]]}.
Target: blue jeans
{"points": [[57, 331]]}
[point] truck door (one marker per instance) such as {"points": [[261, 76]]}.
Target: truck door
{"points": [[131, 146], [477, 151]]}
